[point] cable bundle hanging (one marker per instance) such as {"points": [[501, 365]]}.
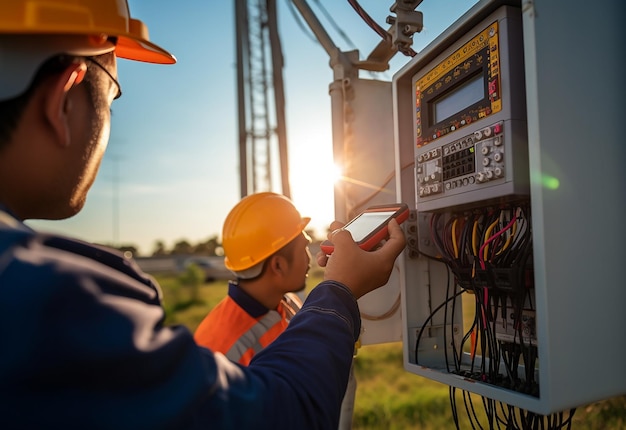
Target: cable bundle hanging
{"points": [[488, 253]]}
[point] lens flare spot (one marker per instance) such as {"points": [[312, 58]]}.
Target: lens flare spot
{"points": [[550, 182]]}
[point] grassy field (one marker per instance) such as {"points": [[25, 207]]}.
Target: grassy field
{"points": [[387, 397]]}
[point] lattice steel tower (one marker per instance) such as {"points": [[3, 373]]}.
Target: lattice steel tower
{"points": [[261, 100]]}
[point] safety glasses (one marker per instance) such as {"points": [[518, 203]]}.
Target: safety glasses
{"points": [[97, 63]]}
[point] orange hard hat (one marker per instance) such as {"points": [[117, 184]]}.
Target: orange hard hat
{"points": [[31, 31], [258, 226]]}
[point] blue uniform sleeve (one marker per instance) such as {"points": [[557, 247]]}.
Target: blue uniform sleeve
{"points": [[84, 346]]}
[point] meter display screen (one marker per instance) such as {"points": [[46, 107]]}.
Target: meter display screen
{"points": [[460, 89], [366, 223], [459, 99]]}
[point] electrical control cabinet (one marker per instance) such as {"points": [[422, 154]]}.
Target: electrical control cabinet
{"points": [[511, 286]]}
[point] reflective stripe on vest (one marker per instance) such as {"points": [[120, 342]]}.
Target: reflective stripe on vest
{"points": [[249, 340]]}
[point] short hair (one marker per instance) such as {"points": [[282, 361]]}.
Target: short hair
{"points": [[11, 110]]}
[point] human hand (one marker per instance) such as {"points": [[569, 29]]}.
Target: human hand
{"points": [[361, 271]]}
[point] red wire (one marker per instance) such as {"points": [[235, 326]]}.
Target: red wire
{"points": [[492, 238]]}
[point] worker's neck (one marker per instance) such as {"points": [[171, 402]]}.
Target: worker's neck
{"points": [[263, 291]]}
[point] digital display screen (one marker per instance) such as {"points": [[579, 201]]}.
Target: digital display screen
{"points": [[365, 223], [460, 98]]}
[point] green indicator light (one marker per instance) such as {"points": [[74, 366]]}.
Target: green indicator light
{"points": [[550, 182]]}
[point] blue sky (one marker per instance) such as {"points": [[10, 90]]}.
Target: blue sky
{"points": [[171, 168]]}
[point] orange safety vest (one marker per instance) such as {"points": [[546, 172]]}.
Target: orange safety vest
{"points": [[229, 329]]}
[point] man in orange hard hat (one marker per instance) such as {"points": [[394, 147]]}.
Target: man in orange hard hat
{"points": [[82, 339], [267, 249]]}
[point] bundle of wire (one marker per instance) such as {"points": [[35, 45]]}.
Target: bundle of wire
{"points": [[499, 415], [488, 254]]}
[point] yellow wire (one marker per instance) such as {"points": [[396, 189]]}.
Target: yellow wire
{"points": [[454, 244], [487, 236], [508, 236], [475, 238]]}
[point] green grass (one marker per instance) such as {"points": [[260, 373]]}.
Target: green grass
{"points": [[387, 396]]}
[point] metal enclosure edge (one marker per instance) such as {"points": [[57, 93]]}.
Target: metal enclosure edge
{"points": [[577, 232]]}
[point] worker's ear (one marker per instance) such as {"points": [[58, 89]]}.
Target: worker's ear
{"points": [[278, 264], [57, 103]]}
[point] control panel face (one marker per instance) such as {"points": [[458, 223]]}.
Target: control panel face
{"points": [[463, 164], [470, 138]]}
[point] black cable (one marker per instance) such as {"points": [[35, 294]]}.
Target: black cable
{"points": [[455, 413], [447, 238], [457, 362], [431, 257], [507, 359], [468, 335], [568, 421], [465, 241], [445, 321], [506, 419], [440, 245], [434, 233], [488, 337], [481, 328], [432, 314], [512, 255], [495, 352], [369, 21], [512, 418], [466, 394], [473, 410]]}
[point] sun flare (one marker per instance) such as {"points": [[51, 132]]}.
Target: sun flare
{"points": [[313, 180]]}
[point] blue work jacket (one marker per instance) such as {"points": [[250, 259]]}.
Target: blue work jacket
{"points": [[83, 346]]}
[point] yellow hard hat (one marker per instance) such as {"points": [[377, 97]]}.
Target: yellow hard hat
{"points": [[84, 17], [257, 227], [31, 31]]}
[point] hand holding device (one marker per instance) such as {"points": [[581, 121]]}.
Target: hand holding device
{"points": [[361, 271], [369, 228]]}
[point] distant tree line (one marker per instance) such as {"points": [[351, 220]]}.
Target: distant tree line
{"points": [[210, 247]]}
